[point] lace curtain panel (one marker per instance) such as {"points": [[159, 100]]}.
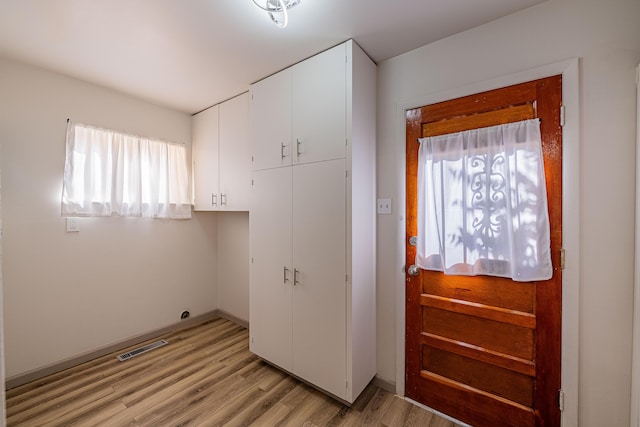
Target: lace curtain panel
{"points": [[111, 173], [482, 203]]}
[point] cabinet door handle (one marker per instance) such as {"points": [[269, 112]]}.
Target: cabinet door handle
{"points": [[214, 199], [223, 199], [298, 142], [282, 155], [295, 276], [284, 275]]}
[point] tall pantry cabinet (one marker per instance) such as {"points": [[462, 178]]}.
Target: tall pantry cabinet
{"points": [[312, 220]]}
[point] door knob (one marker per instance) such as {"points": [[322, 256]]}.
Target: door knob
{"points": [[413, 270]]}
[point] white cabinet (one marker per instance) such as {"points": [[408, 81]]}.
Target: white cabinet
{"points": [[234, 154], [319, 107], [221, 158], [204, 155], [319, 280], [298, 234], [312, 222], [270, 289], [270, 121], [300, 113]]}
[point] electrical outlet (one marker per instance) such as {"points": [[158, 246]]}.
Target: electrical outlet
{"points": [[72, 225], [384, 207]]}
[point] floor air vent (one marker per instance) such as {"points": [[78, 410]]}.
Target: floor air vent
{"points": [[128, 355]]}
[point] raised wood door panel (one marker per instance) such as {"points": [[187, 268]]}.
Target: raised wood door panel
{"points": [[319, 258], [235, 157], [271, 275], [204, 154], [319, 107], [486, 350], [270, 117]]}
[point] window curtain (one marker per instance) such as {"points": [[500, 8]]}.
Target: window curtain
{"points": [[111, 173], [482, 203]]}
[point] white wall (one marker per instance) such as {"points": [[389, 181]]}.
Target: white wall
{"points": [[70, 293], [635, 391], [233, 264], [2, 370], [606, 36]]}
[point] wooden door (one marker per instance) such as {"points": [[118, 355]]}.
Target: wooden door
{"points": [[319, 260], [486, 350], [270, 121], [271, 281], [320, 107]]}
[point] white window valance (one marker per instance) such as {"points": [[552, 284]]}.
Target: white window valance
{"points": [[112, 173], [482, 203]]}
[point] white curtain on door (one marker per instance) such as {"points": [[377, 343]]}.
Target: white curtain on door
{"points": [[482, 203], [111, 173]]}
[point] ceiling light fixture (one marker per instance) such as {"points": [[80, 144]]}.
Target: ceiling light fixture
{"points": [[277, 10]]}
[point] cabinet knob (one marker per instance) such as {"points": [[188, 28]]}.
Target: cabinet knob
{"points": [[282, 155], [214, 199]]}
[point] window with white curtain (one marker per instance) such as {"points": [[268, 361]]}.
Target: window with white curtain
{"points": [[482, 203], [112, 173]]}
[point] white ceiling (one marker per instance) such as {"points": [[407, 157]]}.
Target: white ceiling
{"points": [[190, 54]]}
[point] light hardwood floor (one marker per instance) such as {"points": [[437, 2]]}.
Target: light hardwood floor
{"points": [[205, 376]]}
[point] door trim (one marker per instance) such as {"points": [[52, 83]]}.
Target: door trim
{"points": [[570, 224]]}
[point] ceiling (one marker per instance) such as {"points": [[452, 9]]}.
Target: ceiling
{"points": [[190, 54]]}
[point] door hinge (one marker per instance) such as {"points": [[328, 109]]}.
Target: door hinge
{"points": [[561, 400], [562, 258], [252, 183], [562, 115]]}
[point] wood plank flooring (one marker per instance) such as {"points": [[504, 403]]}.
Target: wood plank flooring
{"points": [[205, 376]]}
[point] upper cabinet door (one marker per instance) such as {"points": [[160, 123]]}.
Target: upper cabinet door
{"points": [[204, 152], [270, 117], [235, 157], [319, 107]]}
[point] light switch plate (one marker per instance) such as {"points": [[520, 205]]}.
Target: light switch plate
{"points": [[384, 207]]}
